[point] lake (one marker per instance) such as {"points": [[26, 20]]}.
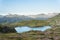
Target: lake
{"points": [[26, 28]]}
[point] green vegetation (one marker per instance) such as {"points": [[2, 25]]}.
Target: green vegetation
{"points": [[55, 20], [7, 31], [10, 36], [30, 23]]}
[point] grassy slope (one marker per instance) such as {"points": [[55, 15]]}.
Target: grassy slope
{"points": [[32, 23], [55, 20], [51, 34]]}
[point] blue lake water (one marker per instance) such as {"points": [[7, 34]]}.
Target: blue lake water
{"points": [[26, 29]]}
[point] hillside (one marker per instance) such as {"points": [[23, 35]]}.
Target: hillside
{"points": [[10, 18], [7, 31], [31, 23], [55, 20]]}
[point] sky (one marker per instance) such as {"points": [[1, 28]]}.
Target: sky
{"points": [[29, 7]]}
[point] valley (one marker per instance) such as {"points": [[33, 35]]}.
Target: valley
{"points": [[7, 31]]}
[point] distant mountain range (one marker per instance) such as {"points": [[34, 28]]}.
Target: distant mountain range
{"points": [[17, 18]]}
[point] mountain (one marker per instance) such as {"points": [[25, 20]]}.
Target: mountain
{"points": [[55, 20], [16, 18], [13, 18], [43, 16]]}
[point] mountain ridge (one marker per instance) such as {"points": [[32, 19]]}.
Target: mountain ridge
{"points": [[16, 17]]}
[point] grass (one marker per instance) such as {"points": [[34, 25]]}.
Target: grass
{"points": [[9, 36]]}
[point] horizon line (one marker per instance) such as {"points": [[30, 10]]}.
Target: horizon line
{"points": [[27, 15]]}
